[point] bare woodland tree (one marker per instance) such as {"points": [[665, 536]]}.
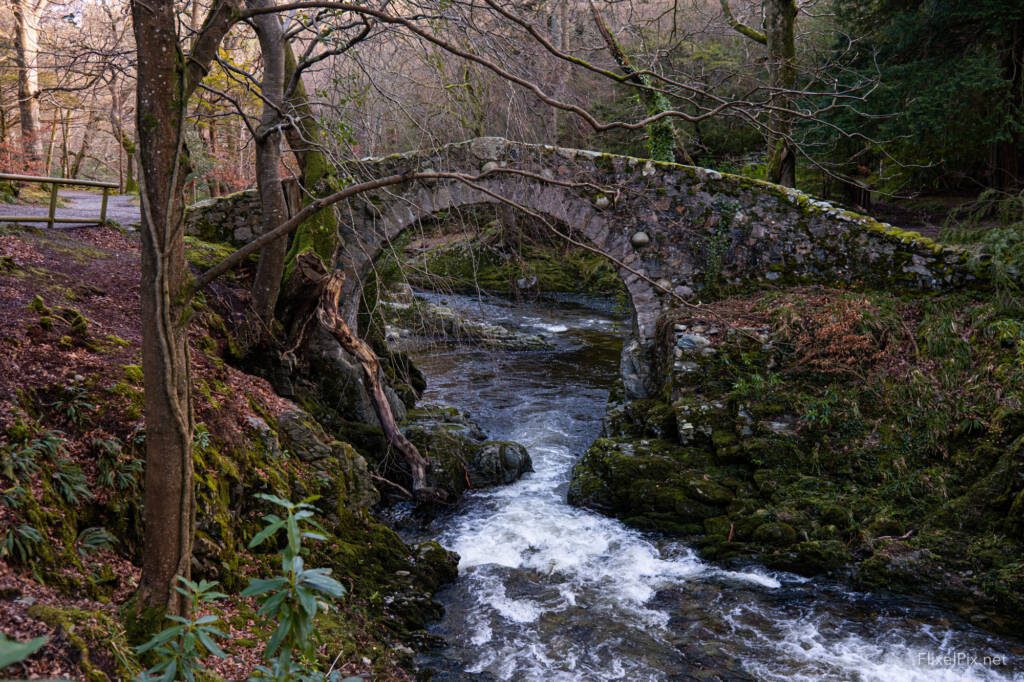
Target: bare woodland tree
{"points": [[166, 80], [779, 37], [26, 16]]}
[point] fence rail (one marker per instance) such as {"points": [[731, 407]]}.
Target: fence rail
{"points": [[55, 184]]}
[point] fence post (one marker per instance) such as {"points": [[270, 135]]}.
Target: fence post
{"points": [[53, 206], [103, 207]]}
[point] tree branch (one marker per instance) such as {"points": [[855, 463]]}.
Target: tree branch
{"points": [[748, 31]]}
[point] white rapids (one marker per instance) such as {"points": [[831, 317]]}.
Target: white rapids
{"points": [[551, 592]]}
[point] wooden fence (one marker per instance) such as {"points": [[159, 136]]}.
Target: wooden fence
{"points": [[55, 184]]}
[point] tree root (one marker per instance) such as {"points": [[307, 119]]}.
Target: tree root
{"points": [[330, 285]]}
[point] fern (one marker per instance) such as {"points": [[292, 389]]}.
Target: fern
{"points": [[201, 438], [73, 402], [71, 482], [96, 539], [22, 543], [116, 469], [20, 462], [13, 497], [994, 225]]}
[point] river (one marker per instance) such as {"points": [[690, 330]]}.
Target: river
{"points": [[551, 592]]}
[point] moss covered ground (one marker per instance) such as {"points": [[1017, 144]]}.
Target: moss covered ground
{"points": [[71, 448], [870, 435]]}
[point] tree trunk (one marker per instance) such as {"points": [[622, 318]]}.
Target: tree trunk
{"points": [[48, 162], [125, 142], [83, 149], [267, 283], [169, 507], [65, 149], [164, 81], [780, 31], [779, 36], [319, 234], [26, 42], [213, 182]]}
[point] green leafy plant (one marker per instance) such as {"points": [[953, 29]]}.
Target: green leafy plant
{"points": [[116, 469], [96, 539], [17, 463], [756, 385], [830, 411], [20, 461], [293, 598], [22, 543], [13, 497], [201, 438], [13, 651], [50, 444], [71, 482], [180, 648], [73, 402]]}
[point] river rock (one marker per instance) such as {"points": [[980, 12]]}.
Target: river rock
{"points": [[640, 239], [460, 456], [498, 463], [636, 370], [692, 342], [526, 282]]}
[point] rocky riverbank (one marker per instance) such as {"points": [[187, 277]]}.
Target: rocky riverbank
{"points": [[873, 436], [71, 447]]}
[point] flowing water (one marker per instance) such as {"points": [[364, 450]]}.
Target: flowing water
{"points": [[550, 592]]}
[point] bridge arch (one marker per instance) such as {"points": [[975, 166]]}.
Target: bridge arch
{"points": [[385, 217]]}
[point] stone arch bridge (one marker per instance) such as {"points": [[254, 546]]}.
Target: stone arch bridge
{"points": [[673, 230]]}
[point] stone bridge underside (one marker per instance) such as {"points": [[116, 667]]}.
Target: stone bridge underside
{"points": [[673, 229]]}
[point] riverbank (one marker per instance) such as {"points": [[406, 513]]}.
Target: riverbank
{"points": [[870, 436], [550, 591], [71, 448]]}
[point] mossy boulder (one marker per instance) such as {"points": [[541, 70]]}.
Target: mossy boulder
{"points": [[651, 483], [775, 533], [460, 457]]}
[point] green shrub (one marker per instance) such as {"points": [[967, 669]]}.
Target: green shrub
{"points": [[292, 598], [180, 648]]}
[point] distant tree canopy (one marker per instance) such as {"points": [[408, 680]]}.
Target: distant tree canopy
{"points": [[950, 101]]}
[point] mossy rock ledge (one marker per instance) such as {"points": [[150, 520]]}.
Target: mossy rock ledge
{"points": [[874, 437]]}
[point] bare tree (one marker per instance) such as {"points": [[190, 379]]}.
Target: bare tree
{"points": [[27, 14], [665, 141], [267, 284], [779, 37], [166, 79]]}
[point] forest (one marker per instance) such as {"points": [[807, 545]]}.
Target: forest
{"points": [[495, 340]]}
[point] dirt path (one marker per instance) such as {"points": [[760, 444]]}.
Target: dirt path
{"points": [[80, 204]]}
